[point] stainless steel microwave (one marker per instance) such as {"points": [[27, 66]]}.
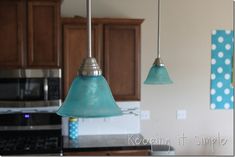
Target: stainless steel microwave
{"points": [[30, 88]]}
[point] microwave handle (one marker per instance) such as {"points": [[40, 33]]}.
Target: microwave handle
{"points": [[21, 94], [45, 88]]}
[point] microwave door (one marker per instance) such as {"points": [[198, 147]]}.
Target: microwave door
{"points": [[10, 89], [33, 89]]}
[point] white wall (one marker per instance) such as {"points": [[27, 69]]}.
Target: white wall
{"points": [[185, 46]]}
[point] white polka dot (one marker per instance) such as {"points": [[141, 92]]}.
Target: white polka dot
{"points": [[213, 106], [219, 84], [220, 70], [213, 76], [227, 46], [213, 91], [214, 32], [220, 54], [213, 47], [226, 106], [219, 98], [226, 91], [220, 39], [227, 76], [228, 31], [232, 98], [213, 61], [227, 61]]}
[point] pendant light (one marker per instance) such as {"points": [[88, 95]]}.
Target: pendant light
{"points": [[158, 73], [89, 95]]}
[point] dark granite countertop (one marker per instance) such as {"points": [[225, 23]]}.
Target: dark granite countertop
{"points": [[105, 142]]}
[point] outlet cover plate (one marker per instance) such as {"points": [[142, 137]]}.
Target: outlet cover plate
{"points": [[145, 115], [181, 114]]}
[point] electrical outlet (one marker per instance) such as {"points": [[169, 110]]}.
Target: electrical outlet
{"points": [[181, 114], [145, 115]]}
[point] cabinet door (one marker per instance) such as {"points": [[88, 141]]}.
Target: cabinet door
{"points": [[12, 33], [122, 60], [75, 50], [110, 153], [130, 153], [94, 153], [43, 33]]}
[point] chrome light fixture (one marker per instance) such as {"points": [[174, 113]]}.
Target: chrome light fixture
{"points": [[89, 95], [158, 73]]}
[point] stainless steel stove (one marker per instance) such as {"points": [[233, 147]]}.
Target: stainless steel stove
{"points": [[30, 134]]}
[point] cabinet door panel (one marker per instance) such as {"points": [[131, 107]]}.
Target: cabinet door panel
{"points": [[75, 50], [130, 153], [11, 33], [43, 33], [122, 60], [94, 153], [110, 153]]}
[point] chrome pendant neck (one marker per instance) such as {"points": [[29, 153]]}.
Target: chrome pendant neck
{"points": [[90, 67], [158, 62]]}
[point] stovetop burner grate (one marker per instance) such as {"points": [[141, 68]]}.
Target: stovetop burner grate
{"points": [[28, 144], [30, 134]]}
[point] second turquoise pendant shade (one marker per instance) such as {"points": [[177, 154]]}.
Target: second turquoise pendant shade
{"points": [[158, 74], [89, 95]]}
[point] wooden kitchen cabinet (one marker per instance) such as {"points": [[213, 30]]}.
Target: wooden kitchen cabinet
{"points": [[12, 20], [90, 153], [30, 33], [43, 33], [122, 60], [74, 48], [116, 46], [144, 152]]}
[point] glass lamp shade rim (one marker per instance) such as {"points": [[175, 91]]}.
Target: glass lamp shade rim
{"points": [[87, 116]]}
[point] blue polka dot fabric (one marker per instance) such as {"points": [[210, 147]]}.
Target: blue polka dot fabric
{"points": [[221, 92], [73, 129]]}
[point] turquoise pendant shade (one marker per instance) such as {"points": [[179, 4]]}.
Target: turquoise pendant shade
{"points": [[89, 97], [158, 75]]}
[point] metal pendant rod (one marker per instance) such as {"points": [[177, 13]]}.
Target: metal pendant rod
{"points": [[88, 5], [89, 66], [158, 31]]}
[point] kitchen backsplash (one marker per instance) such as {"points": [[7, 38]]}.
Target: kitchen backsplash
{"points": [[128, 123]]}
